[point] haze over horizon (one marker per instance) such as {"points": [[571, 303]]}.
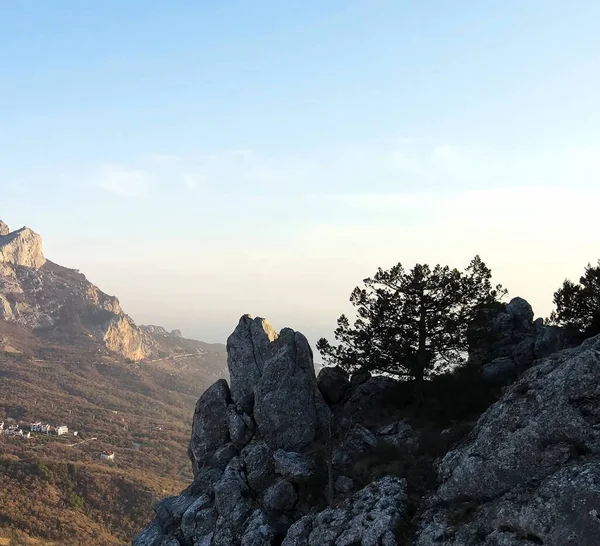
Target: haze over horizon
{"points": [[201, 161]]}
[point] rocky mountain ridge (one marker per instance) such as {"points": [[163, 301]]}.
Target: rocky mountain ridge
{"points": [[60, 303], [281, 457]]}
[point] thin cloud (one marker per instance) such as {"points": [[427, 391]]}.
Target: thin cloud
{"points": [[123, 181]]}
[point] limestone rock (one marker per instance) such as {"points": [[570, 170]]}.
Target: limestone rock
{"points": [[4, 229], [259, 531], [210, 429], [369, 518], [247, 349], [510, 333], [399, 435], [358, 441], [280, 497], [123, 337], [239, 430], [499, 370], [293, 466], [273, 378], [531, 465], [521, 310], [260, 466], [333, 383], [22, 247]]}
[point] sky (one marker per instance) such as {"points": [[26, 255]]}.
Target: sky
{"points": [[205, 159]]}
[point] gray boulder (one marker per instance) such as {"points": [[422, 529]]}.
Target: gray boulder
{"points": [[280, 497], [399, 435], [369, 518], [293, 466], [210, 428], [499, 370], [344, 484], [531, 466], [550, 339], [260, 466], [356, 442], [333, 383], [248, 347], [239, 430], [289, 410], [259, 531], [520, 309]]}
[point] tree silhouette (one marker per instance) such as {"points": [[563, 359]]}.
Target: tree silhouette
{"points": [[412, 323], [578, 305]]}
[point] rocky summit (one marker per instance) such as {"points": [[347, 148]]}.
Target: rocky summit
{"points": [[271, 467], [59, 302]]}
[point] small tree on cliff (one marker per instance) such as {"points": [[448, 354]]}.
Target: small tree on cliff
{"points": [[578, 305], [412, 323]]}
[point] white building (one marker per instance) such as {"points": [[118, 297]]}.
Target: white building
{"points": [[61, 430], [39, 427], [107, 455]]}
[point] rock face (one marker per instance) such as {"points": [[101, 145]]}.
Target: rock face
{"points": [[506, 342], [270, 372], [369, 518], [60, 302], [529, 472], [258, 451], [22, 247]]}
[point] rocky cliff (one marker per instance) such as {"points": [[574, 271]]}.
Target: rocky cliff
{"points": [[279, 456], [56, 301]]}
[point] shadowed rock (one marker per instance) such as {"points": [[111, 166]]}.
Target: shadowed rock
{"points": [[532, 463]]}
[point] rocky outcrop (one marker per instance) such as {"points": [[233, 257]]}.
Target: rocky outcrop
{"points": [[259, 452], [60, 302], [369, 518], [159, 331], [270, 372], [529, 472], [333, 383], [22, 247], [506, 341]]}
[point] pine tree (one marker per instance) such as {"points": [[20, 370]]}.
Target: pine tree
{"points": [[578, 305], [412, 323]]}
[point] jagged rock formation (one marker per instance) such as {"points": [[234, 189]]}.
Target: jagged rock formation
{"points": [[506, 342], [259, 452], [529, 472], [60, 302], [154, 330], [368, 518], [269, 452], [22, 247]]}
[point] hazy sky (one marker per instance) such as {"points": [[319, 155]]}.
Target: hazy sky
{"points": [[205, 159]]}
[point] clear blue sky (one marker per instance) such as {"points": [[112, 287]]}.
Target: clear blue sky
{"points": [[205, 159]]}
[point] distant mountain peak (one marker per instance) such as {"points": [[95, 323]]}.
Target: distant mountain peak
{"points": [[22, 247]]}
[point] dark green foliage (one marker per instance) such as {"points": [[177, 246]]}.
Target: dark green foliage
{"points": [[578, 305], [412, 323]]}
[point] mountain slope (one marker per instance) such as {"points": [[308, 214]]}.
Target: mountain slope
{"points": [[70, 356], [59, 302]]}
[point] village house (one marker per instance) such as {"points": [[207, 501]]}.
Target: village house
{"points": [[61, 430], [39, 427], [15, 430], [107, 455]]}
